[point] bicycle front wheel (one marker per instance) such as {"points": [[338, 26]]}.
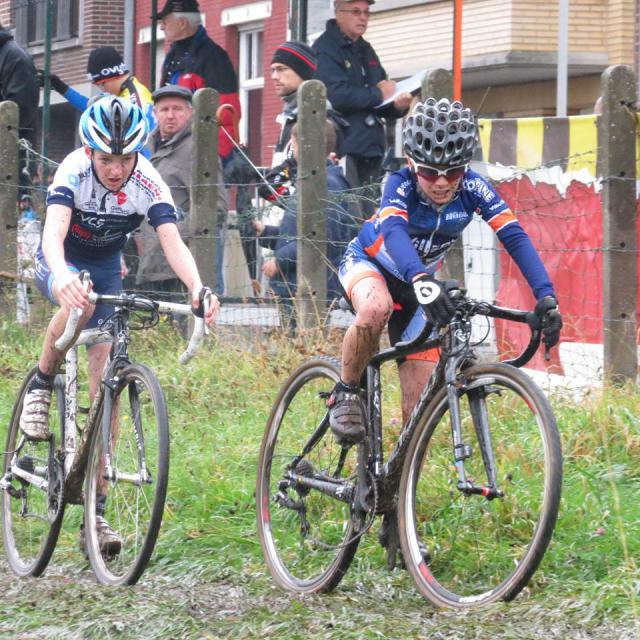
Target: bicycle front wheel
{"points": [[32, 509], [308, 536], [127, 487], [481, 550]]}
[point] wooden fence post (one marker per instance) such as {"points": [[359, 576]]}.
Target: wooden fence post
{"points": [[203, 217], [311, 186], [439, 84], [617, 135], [9, 148]]}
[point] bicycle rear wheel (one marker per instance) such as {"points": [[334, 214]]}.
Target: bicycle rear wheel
{"points": [[481, 550], [137, 485], [32, 515], [308, 538]]}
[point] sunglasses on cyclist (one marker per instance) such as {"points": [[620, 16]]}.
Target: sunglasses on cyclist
{"points": [[432, 173]]}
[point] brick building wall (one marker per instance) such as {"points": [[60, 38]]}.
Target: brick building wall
{"points": [[100, 23]]}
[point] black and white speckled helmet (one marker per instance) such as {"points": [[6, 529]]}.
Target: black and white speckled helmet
{"points": [[440, 132]]}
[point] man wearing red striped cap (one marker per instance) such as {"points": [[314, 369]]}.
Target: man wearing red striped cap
{"points": [[293, 62]]}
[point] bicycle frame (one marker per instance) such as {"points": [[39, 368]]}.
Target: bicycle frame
{"points": [[457, 350], [455, 344], [74, 455]]}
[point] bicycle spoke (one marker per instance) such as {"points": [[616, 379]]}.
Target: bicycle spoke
{"points": [[134, 509], [30, 529], [307, 535], [480, 549]]}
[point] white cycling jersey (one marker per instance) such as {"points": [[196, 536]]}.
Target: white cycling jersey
{"points": [[101, 219]]}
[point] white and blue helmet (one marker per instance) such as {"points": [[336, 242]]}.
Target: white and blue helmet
{"points": [[114, 125]]}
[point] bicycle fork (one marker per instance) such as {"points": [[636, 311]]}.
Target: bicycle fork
{"points": [[476, 394], [110, 434]]}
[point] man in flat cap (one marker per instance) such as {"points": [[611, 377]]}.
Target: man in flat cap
{"points": [[171, 148]]}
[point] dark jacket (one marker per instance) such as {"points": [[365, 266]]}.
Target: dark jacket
{"points": [[198, 62], [340, 230], [18, 83], [350, 71], [289, 117], [173, 159]]}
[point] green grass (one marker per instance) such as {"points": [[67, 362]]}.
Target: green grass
{"points": [[208, 579]]}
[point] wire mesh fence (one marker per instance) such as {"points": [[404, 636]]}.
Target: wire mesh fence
{"points": [[557, 199]]}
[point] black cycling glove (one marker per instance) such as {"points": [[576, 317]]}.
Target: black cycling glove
{"points": [[57, 84], [550, 320], [199, 311], [434, 297], [279, 179]]}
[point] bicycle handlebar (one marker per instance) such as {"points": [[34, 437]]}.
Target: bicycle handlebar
{"points": [[200, 330], [468, 307], [65, 340], [475, 307]]}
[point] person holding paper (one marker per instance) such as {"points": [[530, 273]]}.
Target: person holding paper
{"points": [[356, 83]]}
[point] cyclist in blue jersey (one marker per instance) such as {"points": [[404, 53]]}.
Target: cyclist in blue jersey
{"points": [[100, 193], [424, 209]]}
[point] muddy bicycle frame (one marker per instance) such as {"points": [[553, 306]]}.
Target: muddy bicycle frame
{"points": [[75, 454], [455, 343]]}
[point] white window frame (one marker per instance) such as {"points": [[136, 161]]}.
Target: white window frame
{"points": [[60, 21], [248, 68]]}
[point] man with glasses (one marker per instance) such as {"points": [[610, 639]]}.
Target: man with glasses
{"points": [[356, 83], [387, 271]]}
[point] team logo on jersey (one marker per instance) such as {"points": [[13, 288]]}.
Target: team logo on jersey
{"points": [[79, 232], [479, 187], [402, 189], [121, 197], [73, 180]]}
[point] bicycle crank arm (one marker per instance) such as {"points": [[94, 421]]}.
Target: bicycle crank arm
{"points": [[37, 478], [474, 490], [339, 491]]}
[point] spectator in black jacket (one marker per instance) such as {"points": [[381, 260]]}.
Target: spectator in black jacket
{"points": [[292, 63], [356, 83], [281, 268], [196, 61], [18, 83]]}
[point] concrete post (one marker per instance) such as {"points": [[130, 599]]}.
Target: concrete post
{"points": [[617, 135], [437, 84], [311, 185], [9, 148], [203, 217]]}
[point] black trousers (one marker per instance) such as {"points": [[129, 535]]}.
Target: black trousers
{"points": [[364, 175]]}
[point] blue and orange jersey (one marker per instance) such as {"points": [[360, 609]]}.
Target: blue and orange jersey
{"points": [[410, 235]]}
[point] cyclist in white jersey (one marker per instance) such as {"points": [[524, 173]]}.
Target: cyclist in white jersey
{"points": [[99, 194]]}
